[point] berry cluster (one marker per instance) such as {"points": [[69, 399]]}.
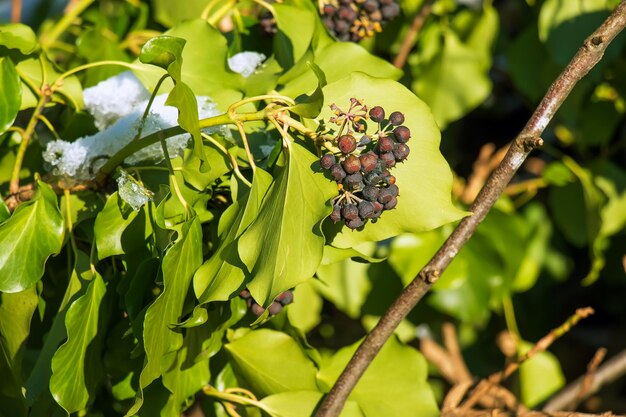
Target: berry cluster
{"points": [[361, 166], [353, 20], [276, 307]]}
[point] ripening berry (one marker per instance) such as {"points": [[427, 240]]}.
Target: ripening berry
{"points": [[370, 6], [396, 118], [341, 26], [347, 13], [245, 293], [355, 223], [385, 144], [390, 11], [257, 310], [285, 298], [385, 195], [370, 193], [346, 144], [368, 162], [328, 161], [353, 181], [329, 10], [335, 216], [350, 212], [390, 179], [391, 204], [275, 308], [373, 178], [378, 207], [402, 134], [366, 209], [337, 172], [365, 140], [351, 164], [389, 158], [394, 190], [377, 114], [401, 151]]}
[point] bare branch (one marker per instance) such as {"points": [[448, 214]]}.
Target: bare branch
{"points": [[504, 413], [411, 36], [529, 138]]}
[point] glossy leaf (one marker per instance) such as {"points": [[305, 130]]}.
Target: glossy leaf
{"points": [[540, 376], [424, 179], [18, 36], [284, 245], [110, 224], [28, 238], [296, 26], [222, 274], [75, 363], [164, 52], [405, 392], [168, 13], [255, 360], [302, 404], [306, 310], [179, 264], [345, 284], [11, 98]]}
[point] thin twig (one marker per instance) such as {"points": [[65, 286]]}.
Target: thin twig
{"points": [[16, 11], [411, 36], [608, 372], [529, 138], [542, 345], [585, 387], [505, 413], [451, 343]]}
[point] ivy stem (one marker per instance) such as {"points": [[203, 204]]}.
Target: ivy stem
{"points": [[142, 122], [16, 11], [246, 145], [233, 160], [233, 398], [529, 138], [73, 10], [173, 179], [44, 98], [62, 77], [220, 13]]}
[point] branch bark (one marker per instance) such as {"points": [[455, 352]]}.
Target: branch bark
{"points": [[529, 138]]}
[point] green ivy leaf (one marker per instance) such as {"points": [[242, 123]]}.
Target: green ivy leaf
{"points": [[302, 404], [296, 26], [28, 238], [75, 363], [18, 36], [110, 224], [405, 393], [345, 284], [284, 245], [16, 311], [255, 360], [454, 82], [11, 97], [540, 376], [309, 106], [169, 13], [222, 273], [306, 312], [164, 52], [160, 338], [424, 180]]}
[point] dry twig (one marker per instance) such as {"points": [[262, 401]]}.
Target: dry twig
{"points": [[411, 36], [528, 139]]}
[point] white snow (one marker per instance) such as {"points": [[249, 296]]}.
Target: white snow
{"points": [[132, 192], [245, 63]]}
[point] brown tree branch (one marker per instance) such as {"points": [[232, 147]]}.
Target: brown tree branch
{"points": [[605, 374], [529, 138], [504, 413], [411, 36]]}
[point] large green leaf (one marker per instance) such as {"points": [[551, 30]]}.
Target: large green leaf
{"points": [[169, 13], [345, 284], [302, 404], [75, 363], [159, 337], [28, 238], [16, 311], [110, 224], [271, 362], [405, 391], [296, 26], [424, 180], [11, 97], [306, 311], [284, 245], [222, 273], [454, 82], [540, 376], [18, 36]]}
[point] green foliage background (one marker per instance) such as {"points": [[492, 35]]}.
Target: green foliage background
{"points": [[107, 311]]}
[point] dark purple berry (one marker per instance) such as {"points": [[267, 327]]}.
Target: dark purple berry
{"points": [[328, 161], [401, 151], [385, 195], [355, 223], [335, 216], [329, 9], [396, 118], [351, 164], [370, 193], [337, 172], [370, 6], [378, 207], [353, 181], [341, 26], [394, 190], [245, 293], [373, 178], [385, 144], [347, 13], [257, 310], [391, 204], [377, 114], [350, 212], [402, 134], [275, 308], [390, 11], [368, 162], [285, 298], [389, 158], [346, 144], [366, 209], [365, 140]]}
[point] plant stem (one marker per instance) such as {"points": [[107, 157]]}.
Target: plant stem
{"points": [[59, 81], [529, 138], [409, 40], [142, 122], [16, 11], [233, 398], [233, 160], [246, 145], [173, 179], [71, 12]]}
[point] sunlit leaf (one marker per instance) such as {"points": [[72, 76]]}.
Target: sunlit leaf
{"points": [[110, 224], [11, 97], [302, 404], [540, 376], [18, 36]]}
